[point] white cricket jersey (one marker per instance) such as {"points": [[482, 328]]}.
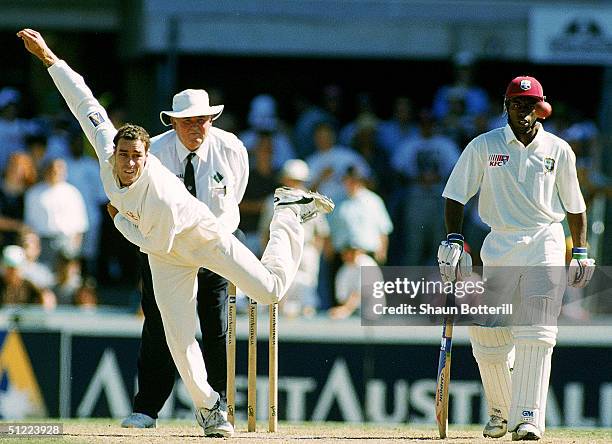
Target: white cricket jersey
{"points": [[221, 169], [520, 187], [155, 208]]}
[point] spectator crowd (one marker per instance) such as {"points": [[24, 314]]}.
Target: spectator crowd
{"points": [[58, 246]]}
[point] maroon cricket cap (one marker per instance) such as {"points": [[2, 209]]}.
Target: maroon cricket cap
{"points": [[525, 86]]}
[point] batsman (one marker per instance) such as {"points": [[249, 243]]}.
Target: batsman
{"points": [[528, 184]]}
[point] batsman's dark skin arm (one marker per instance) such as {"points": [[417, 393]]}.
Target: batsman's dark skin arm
{"points": [[453, 216], [578, 228]]}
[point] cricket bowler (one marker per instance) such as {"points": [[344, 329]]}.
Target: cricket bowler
{"points": [[152, 208]]}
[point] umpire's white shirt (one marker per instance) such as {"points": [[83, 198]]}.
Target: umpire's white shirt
{"points": [[221, 169], [521, 188], [155, 208]]}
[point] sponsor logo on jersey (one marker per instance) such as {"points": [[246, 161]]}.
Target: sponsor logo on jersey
{"points": [[497, 160], [132, 216], [549, 164], [95, 118]]}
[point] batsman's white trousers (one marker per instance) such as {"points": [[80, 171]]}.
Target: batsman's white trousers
{"points": [[175, 284], [535, 285]]}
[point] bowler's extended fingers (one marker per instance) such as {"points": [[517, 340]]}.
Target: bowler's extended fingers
{"points": [[31, 36], [35, 44], [30, 40], [28, 34]]}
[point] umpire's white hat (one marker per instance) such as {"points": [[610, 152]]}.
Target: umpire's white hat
{"points": [[191, 103]]}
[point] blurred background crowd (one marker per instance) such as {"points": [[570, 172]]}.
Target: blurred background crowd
{"points": [[381, 152], [385, 175]]}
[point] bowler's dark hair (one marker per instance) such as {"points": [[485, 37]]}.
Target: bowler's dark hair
{"points": [[130, 131]]}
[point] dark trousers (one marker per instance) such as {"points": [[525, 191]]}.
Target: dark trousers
{"points": [[156, 370]]}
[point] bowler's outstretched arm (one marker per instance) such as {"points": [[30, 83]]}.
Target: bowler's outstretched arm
{"points": [[91, 115]]}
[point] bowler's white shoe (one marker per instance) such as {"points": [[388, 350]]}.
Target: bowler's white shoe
{"points": [[139, 421], [496, 427], [526, 432], [214, 421], [306, 204]]}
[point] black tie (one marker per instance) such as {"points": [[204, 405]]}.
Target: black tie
{"points": [[189, 178]]}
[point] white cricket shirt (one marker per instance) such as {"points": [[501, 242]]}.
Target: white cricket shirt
{"points": [[221, 169], [520, 187], [155, 208]]}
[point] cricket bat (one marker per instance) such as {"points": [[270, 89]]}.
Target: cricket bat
{"points": [[443, 380]]}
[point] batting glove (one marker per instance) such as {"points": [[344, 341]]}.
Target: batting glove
{"points": [[581, 268], [455, 264]]}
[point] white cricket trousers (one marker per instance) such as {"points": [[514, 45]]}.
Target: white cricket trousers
{"points": [[175, 284], [528, 267]]}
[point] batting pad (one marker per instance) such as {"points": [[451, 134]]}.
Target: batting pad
{"points": [[494, 353], [531, 375]]}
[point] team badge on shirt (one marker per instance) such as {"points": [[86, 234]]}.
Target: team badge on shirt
{"points": [[497, 160], [95, 118], [218, 177], [549, 164]]}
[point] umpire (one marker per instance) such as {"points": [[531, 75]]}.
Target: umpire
{"points": [[213, 165]]}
